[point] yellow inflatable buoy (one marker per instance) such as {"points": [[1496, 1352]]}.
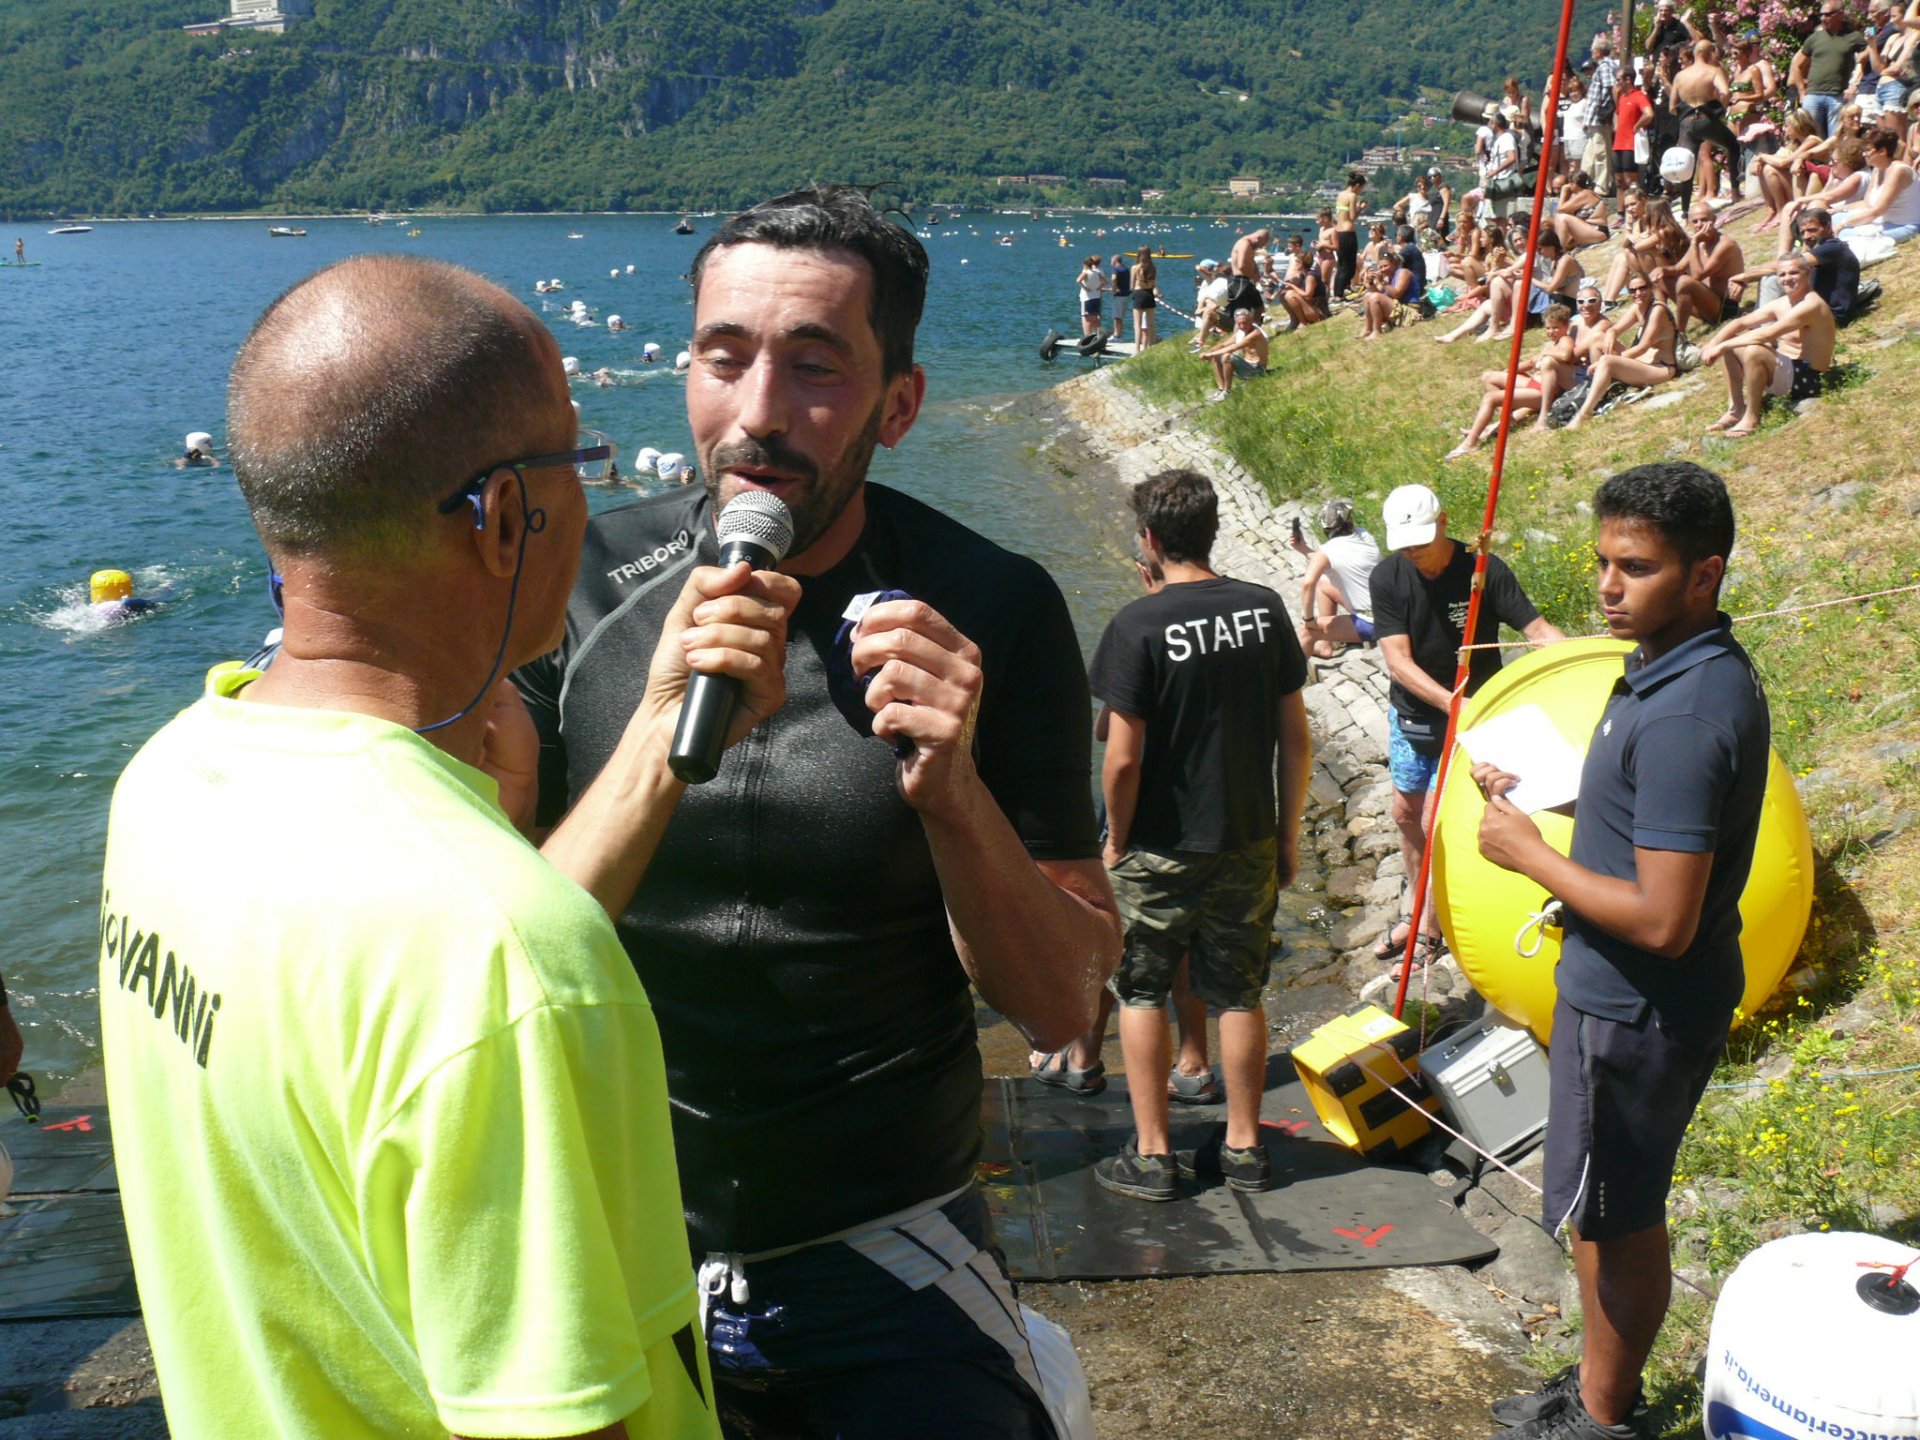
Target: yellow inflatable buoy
{"points": [[105, 585], [1484, 910]]}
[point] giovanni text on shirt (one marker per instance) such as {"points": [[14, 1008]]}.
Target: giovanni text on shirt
{"points": [[160, 980]]}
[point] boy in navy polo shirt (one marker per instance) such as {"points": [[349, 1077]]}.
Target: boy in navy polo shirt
{"points": [[1650, 971]]}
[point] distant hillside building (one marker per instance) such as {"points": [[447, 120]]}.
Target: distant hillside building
{"points": [[270, 16], [1246, 185]]}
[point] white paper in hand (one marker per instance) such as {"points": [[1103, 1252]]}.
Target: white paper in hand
{"points": [[1524, 742]]}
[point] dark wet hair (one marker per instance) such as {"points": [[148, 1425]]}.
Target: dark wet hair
{"points": [[1687, 503], [1182, 511], [842, 217]]}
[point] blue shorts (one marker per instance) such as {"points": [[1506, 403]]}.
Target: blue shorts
{"points": [[1412, 771], [1089, 308], [912, 1330], [1363, 627]]}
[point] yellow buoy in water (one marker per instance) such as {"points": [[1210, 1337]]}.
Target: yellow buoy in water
{"points": [[1484, 910], [105, 585]]}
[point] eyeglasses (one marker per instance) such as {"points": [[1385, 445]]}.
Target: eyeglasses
{"points": [[1637, 289], [1589, 299], [591, 463]]}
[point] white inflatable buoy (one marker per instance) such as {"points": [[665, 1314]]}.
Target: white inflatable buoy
{"points": [[1676, 166], [200, 440], [629, 269], [1814, 1337], [614, 274], [648, 459], [554, 283], [570, 364], [683, 362], [671, 466]]}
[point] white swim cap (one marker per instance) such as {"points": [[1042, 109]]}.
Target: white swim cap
{"points": [[570, 364], [199, 440], [629, 269], [683, 361], [650, 349], [614, 273], [614, 322]]}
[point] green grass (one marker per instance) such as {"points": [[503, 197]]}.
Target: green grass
{"points": [[1805, 1149]]}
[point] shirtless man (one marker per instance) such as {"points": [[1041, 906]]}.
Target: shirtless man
{"points": [[1783, 349], [1701, 95], [1244, 353], [1346, 235], [1702, 284], [1243, 275], [1548, 372], [1326, 253], [1648, 361]]}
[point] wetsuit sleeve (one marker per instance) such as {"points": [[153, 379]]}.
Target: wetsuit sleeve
{"points": [[1035, 738], [1390, 600], [1510, 603], [539, 684], [1683, 770]]}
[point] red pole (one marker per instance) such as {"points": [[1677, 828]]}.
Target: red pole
{"points": [[1521, 299]]}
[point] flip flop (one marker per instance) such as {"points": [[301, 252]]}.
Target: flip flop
{"points": [[1726, 422], [1052, 1069]]}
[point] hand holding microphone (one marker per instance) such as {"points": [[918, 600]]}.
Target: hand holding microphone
{"points": [[735, 635]]}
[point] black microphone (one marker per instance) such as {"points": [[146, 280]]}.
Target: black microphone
{"points": [[758, 528]]}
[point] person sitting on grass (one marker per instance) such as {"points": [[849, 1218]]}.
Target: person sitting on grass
{"points": [[1592, 330], [1847, 182], [1392, 298], [1547, 373], [1702, 284], [1648, 361], [1783, 350], [1304, 297], [1555, 274], [1893, 203], [1574, 217], [1376, 246], [1209, 302], [1654, 242], [1776, 172], [1243, 353]]}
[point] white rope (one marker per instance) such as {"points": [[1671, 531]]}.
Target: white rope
{"points": [[1548, 914], [1484, 1155]]}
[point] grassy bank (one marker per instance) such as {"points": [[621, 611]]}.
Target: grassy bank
{"points": [[1829, 506]]}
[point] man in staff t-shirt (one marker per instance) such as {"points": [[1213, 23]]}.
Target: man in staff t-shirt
{"points": [[1205, 776], [1420, 595]]}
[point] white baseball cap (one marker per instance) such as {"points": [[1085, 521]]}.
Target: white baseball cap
{"points": [[1412, 515]]}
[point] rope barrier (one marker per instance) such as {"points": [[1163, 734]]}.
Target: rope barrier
{"points": [[1737, 619], [1522, 299]]}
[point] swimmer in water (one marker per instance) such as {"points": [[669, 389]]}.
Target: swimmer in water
{"points": [[199, 452], [111, 592]]}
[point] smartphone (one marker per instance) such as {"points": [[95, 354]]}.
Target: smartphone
{"points": [[1296, 531]]}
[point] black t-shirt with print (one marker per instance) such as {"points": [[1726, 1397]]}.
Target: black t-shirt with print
{"points": [[1432, 614], [1205, 663]]}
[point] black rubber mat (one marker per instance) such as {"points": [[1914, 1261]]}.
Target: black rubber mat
{"points": [[1329, 1209], [65, 1255], [69, 1151]]}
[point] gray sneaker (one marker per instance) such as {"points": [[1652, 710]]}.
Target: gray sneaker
{"points": [[1249, 1171], [1137, 1176], [1551, 1399], [1570, 1421]]}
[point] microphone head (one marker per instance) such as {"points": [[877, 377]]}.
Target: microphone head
{"points": [[759, 518]]}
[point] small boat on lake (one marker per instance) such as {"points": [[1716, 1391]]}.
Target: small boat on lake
{"points": [[685, 227], [71, 230], [285, 232]]}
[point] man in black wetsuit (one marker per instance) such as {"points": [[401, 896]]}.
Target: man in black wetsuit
{"points": [[815, 913]]}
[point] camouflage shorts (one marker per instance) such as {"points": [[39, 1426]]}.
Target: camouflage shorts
{"points": [[1215, 909]]}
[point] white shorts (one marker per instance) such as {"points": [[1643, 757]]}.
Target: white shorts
{"points": [[1782, 382]]}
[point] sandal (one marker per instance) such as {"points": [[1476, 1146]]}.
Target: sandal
{"points": [[1394, 942], [1428, 950], [1052, 1069], [1193, 1089]]}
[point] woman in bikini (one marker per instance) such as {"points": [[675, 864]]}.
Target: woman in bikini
{"points": [[1776, 172], [1346, 235], [1572, 217], [1648, 361]]}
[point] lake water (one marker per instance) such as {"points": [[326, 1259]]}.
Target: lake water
{"points": [[118, 344]]}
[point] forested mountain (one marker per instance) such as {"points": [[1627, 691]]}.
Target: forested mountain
{"points": [[107, 106]]}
